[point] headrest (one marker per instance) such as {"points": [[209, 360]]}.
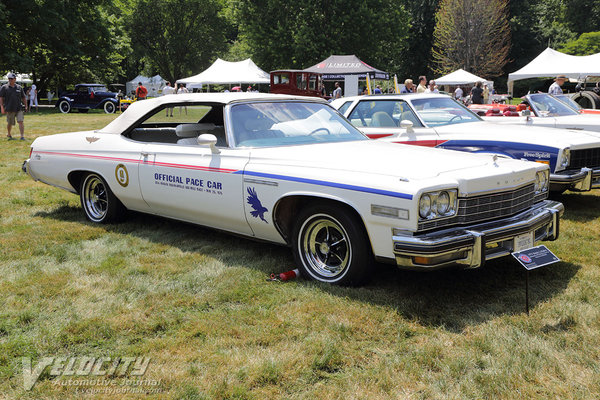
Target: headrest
{"points": [[193, 130]]}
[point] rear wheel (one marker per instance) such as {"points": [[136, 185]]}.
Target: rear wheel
{"points": [[99, 202], [64, 106], [109, 107], [330, 245]]}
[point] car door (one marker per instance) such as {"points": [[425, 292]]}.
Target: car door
{"points": [[184, 180], [382, 118]]}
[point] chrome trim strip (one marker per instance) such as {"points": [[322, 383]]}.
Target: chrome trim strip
{"points": [[260, 182], [494, 191]]}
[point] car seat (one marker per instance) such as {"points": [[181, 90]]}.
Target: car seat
{"points": [[382, 119]]}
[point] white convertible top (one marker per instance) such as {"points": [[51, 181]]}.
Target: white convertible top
{"points": [[140, 108]]}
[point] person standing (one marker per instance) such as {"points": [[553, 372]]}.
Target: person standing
{"points": [[337, 93], [477, 94], [168, 89], [555, 88], [458, 93], [422, 84], [432, 88], [141, 92], [409, 87], [12, 98], [377, 90], [33, 98], [486, 94], [182, 89]]}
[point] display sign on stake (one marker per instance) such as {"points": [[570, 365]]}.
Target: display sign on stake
{"points": [[533, 258]]}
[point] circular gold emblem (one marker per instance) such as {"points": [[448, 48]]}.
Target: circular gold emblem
{"points": [[122, 175]]}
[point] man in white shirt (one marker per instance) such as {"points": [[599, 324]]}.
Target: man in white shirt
{"points": [[458, 93], [337, 93], [33, 98], [555, 88], [168, 89], [432, 88]]}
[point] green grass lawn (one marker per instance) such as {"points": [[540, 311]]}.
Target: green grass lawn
{"points": [[197, 303]]}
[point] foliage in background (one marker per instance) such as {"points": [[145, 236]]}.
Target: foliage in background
{"points": [[300, 34], [586, 44], [472, 35], [62, 41], [178, 37], [420, 38]]}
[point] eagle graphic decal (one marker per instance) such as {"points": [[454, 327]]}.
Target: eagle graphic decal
{"points": [[259, 210]]}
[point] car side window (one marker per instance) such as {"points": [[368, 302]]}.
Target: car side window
{"points": [[382, 114], [344, 107], [161, 126]]}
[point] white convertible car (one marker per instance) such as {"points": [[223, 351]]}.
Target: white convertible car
{"points": [[436, 120], [292, 171]]}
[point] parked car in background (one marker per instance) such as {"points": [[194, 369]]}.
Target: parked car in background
{"points": [[568, 100], [543, 109], [439, 121], [292, 171], [87, 96]]}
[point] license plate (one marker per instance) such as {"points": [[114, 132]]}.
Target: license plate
{"points": [[523, 242]]}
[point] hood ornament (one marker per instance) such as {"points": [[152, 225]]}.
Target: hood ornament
{"points": [[495, 158], [92, 139]]}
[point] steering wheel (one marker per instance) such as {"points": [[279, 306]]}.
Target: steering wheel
{"points": [[320, 129], [453, 118]]}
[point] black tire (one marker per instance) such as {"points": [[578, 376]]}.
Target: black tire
{"points": [[109, 107], [330, 245], [587, 99], [98, 201], [64, 106]]}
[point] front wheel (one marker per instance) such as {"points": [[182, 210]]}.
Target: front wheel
{"points": [[330, 245], [99, 202], [109, 107], [64, 106]]}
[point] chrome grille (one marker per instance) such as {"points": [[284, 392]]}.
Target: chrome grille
{"points": [[589, 158], [486, 207]]}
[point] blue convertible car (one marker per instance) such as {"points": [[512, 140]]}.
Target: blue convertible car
{"points": [[88, 96]]}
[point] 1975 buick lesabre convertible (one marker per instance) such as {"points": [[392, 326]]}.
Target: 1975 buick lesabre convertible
{"points": [[293, 171]]}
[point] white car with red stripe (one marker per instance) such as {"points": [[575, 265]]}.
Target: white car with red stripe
{"points": [[435, 120], [292, 171]]}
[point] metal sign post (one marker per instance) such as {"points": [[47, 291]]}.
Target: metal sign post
{"points": [[533, 258]]}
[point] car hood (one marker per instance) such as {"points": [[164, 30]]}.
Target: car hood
{"points": [[374, 162], [559, 138]]}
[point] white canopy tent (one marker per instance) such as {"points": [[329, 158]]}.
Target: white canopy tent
{"points": [[153, 84], [461, 77], [228, 73], [551, 63]]}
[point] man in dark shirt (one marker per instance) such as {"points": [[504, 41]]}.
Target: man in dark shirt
{"points": [[477, 94], [12, 98]]}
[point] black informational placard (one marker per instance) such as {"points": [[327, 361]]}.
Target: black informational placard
{"points": [[535, 257]]}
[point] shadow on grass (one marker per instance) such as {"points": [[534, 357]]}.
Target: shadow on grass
{"points": [[451, 299], [580, 207]]}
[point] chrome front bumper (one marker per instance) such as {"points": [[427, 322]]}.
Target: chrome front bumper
{"points": [[470, 246], [578, 181]]}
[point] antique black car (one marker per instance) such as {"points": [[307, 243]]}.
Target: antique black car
{"points": [[88, 96]]}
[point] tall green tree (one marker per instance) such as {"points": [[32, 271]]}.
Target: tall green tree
{"points": [[420, 37], [177, 37], [586, 44], [473, 35], [284, 34]]}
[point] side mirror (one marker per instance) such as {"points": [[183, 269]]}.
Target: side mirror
{"points": [[407, 124], [526, 113], [208, 139]]}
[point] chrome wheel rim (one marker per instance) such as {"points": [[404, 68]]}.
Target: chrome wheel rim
{"points": [[326, 247], [95, 198]]}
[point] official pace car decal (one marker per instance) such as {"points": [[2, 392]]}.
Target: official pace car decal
{"points": [[259, 209], [189, 183]]}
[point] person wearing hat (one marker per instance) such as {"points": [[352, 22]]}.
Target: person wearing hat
{"points": [[555, 88], [12, 98]]}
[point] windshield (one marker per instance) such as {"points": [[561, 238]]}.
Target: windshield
{"points": [[549, 106], [568, 101], [440, 111], [289, 123]]}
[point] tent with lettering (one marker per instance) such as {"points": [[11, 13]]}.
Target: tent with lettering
{"points": [[551, 63], [228, 73], [336, 67]]}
